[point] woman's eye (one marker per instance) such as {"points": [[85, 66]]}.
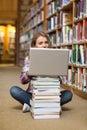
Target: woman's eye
{"points": [[40, 43], [46, 43]]}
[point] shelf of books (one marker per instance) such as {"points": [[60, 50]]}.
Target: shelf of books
{"points": [[65, 22], [32, 21], [67, 28], [11, 44], [7, 44]]}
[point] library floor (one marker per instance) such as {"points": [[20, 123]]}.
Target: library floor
{"points": [[74, 115]]}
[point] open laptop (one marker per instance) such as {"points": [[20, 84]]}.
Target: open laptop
{"points": [[48, 62]]}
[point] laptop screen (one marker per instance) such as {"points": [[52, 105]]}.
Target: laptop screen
{"points": [[48, 62]]}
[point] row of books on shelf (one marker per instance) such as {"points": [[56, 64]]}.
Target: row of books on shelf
{"points": [[80, 31], [38, 5], [76, 78], [62, 37], [29, 35], [59, 20], [45, 102], [36, 20], [80, 8], [69, 34], [51, 8], [79, 55], [36, 8], [61, 3], [65, 16]]}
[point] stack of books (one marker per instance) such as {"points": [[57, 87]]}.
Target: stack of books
{"points": [[45, 102]]}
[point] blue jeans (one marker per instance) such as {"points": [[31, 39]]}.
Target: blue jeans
{"points": [[24, 97]]}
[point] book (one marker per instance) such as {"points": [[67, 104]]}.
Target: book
{"points": [[82, 53], [80, 72], [45, 116], [45, 86], [85, 56], [74, 54], [47, 97], [69, 76], [45, 79], [44, 83], [66, 16], [50, 91], [47, 100], [73, 77], [76, 79], [45, 110], [84, 82], [57, 4], [45, 103]]}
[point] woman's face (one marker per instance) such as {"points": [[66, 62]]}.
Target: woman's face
{"points": [[42, 42]]}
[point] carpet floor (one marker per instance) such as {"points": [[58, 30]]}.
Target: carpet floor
{"points": [[74, 114]]}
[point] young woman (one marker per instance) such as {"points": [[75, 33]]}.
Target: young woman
{"points": [[40, 40]]}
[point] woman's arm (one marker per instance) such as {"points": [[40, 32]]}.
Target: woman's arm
{"points": [[24, 77]]}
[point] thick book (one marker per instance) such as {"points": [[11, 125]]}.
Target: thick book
{"points": [[46, 86], [82, 54], [47, 97], [45, 110], [46, 83], [67, 17], [51, 91], [47, 100], [44, 104], [44, 78], [47, 116]]}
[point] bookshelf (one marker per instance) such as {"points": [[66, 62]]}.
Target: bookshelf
{"points": [[65, 21], [11, 43], [32, 21], [1, 44]]}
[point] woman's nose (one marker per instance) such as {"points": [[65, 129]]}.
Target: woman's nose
{"points": [[44, 45]]}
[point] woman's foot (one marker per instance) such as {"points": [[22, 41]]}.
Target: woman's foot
{"points": [[26, 108]]}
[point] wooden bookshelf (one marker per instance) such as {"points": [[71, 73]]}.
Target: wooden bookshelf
{"points": [[65, 22], [75, 91], [32, 22]]}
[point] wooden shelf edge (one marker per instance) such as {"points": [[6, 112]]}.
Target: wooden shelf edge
{"points": [[75, 91]]}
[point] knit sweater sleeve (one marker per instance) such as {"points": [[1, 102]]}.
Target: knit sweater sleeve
{"points": [[24, 77]]}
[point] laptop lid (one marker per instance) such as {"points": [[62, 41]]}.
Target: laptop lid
{"points": [[48, 61]]}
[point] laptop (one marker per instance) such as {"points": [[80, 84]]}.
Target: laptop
{"points": [[48, 62]]}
